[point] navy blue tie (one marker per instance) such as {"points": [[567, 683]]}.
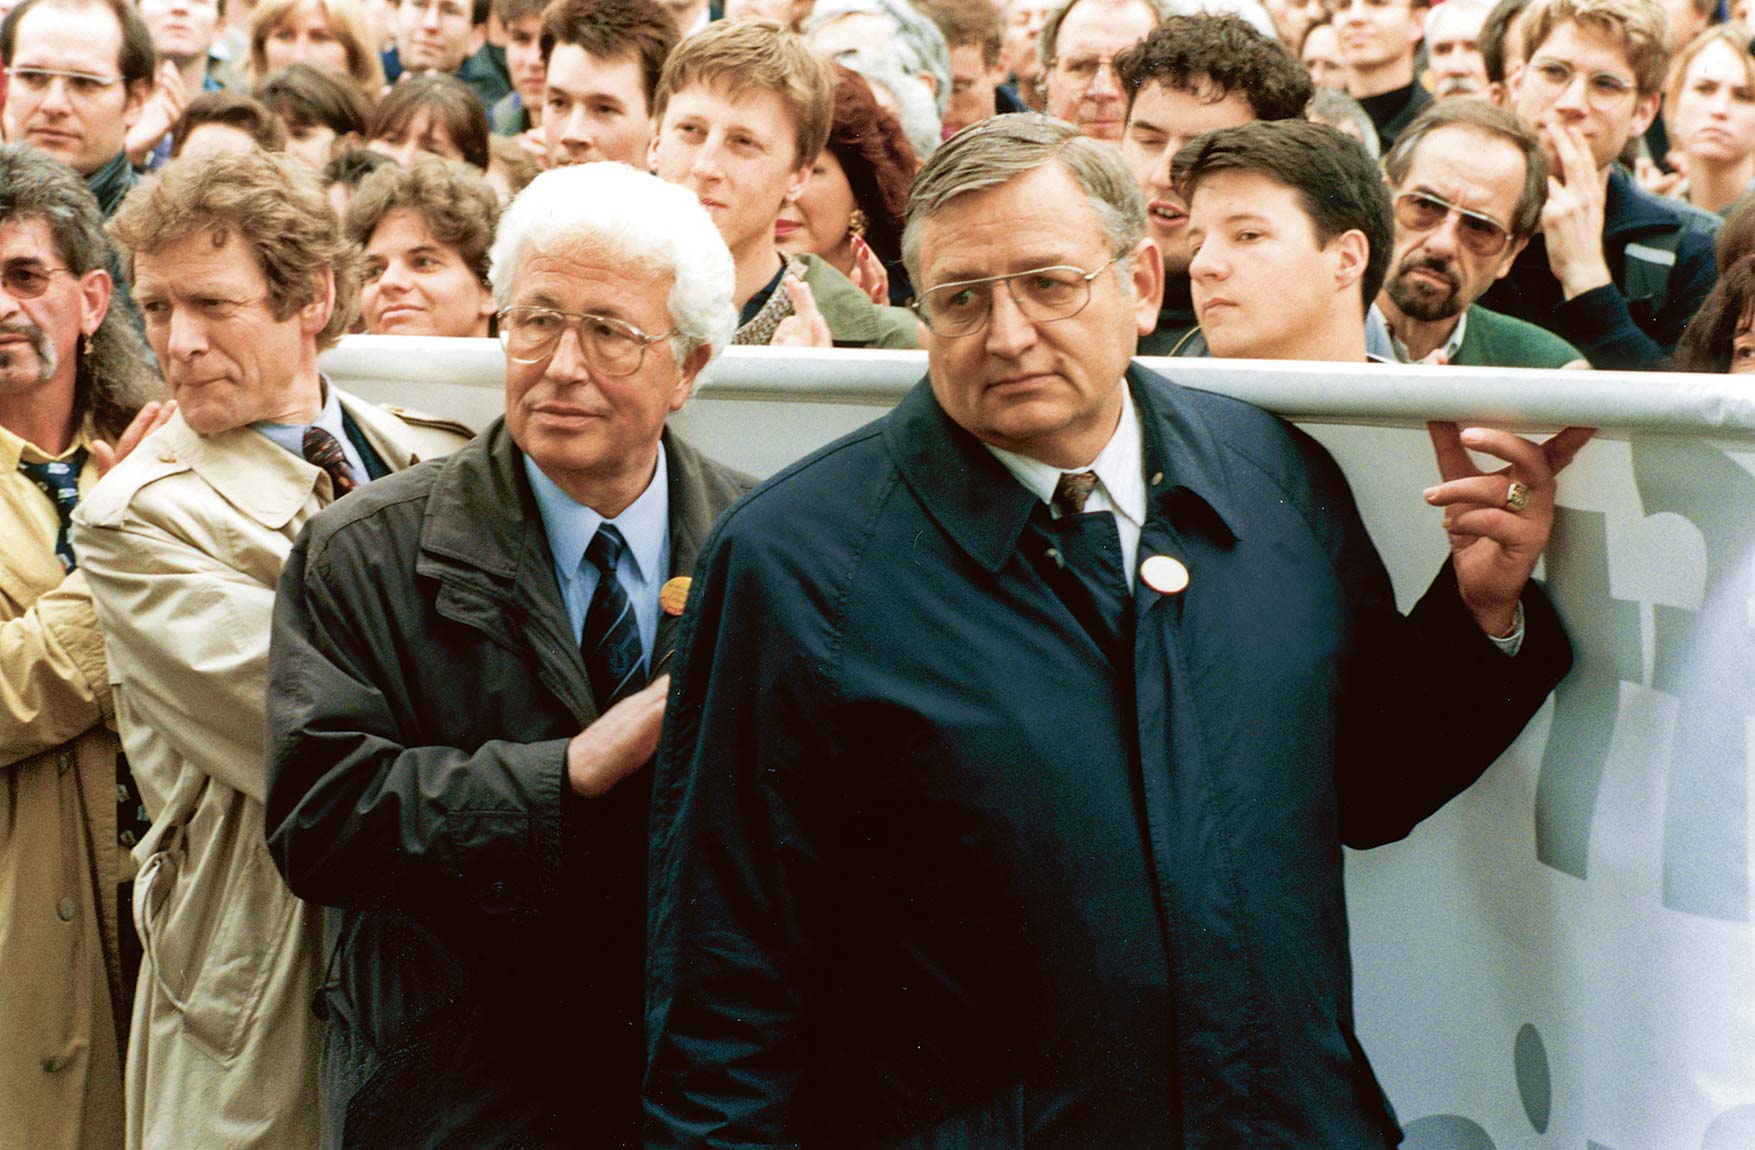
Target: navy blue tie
{"points": [[59, 480], [610, 643]]}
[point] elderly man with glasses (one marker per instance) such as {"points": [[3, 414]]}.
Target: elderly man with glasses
{"points": [[1468, 185], [468, 676], [1017, 735]]}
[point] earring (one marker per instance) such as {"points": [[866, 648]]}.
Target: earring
{"points": [[856, 222]]}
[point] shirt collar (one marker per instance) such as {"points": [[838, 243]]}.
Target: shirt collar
{"points": [[570, 524], [15, 450], [292, 435], [1118, 466], [1402, 355]]}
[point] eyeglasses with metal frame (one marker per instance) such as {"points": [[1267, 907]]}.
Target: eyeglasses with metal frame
{"points": [[80, 85], [1043, 295], [1602, 90], [28, 280], [1423, 211], [611, 347]]}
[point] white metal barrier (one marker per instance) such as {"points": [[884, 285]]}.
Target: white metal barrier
{"points": [[1565, 956]]}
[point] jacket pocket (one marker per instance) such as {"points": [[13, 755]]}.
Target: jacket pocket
{"points": [[217, 939]]}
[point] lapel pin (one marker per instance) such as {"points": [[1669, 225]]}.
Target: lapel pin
{"points": [[1164, 575], [674, 595]]}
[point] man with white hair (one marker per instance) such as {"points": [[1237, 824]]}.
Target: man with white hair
{"points": [[468, 678], [1453, 48]]}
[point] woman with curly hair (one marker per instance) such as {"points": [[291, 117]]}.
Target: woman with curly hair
{"points": [[851, 211], [426, 232]]}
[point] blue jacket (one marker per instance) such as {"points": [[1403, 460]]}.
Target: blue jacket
{"points": [[1614, 331], [930, 869]]}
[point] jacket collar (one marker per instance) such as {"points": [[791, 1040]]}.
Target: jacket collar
{"points": [[264, 480], [978, 503], [1627, 209]]}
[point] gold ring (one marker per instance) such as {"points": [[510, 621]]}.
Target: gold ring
{"points": [[1517, 496]]}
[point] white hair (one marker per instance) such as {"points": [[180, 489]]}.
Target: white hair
{"points": [[914, 107], [1477, 10], [918, 47], [642, 221]]}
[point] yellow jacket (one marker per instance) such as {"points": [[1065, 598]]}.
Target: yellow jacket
{"points": [[60, 971]]}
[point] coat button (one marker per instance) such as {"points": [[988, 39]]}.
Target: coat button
{"points": [[56, 1063], [65, 908]]}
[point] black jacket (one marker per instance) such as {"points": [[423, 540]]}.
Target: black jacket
{"points": [[484, 959], [1612, 330], [930, 869]]}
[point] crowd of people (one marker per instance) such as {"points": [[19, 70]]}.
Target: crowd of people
{"points": [[535, 795]]}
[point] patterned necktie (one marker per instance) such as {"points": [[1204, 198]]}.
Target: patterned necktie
{"points": [[610, 642], [324, 450], [59, 480], [1071, 492]]}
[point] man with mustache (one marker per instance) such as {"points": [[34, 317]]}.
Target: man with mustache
{"points": [[1468, 184], [1453, 49]]}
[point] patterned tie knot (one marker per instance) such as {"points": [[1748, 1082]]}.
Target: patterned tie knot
{"points": [[1072, 491], [605, 549], [324, 450]]}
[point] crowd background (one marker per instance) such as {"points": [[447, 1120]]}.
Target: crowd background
{"points": [[425, 119]]}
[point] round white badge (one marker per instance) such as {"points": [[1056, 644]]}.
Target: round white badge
{"points": [[1164, 575]]}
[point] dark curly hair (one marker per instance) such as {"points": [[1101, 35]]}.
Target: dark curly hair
{"points": [[1212, 56], [1706, 344], [878, 159]]}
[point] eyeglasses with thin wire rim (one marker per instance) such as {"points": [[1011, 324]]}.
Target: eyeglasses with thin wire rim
{"points": [[28, 281], [1603, 91], [611, 347], [1043, 295], [80, 85], [1481, 234]]}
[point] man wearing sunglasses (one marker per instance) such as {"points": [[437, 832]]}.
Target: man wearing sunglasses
{"points": [[1468, 184], [468, 676], [1017, 735], [1614, 271], [78, 74]]}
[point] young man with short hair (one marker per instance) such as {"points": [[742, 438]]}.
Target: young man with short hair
{"points": [[1378, 39], [1191, 75], [520, 111], [601, 62], [183, 33], [1468, 185], [1615, 271], [743, 108], [1290, 226], [79, 74], [446, 36], [978, 88]]}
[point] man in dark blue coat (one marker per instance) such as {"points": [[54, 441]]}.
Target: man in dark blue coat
{"points": [[1016, 736]]}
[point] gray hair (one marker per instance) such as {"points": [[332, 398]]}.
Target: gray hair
{"points": [[115, 376], [920, 122], [919, 46], [1335, 108], [1162, 10], [1000, 149], [644, 223], [1487, 120]]}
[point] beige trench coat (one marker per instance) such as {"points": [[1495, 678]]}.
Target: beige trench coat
{"points": [[60, 972], [183, 543]]}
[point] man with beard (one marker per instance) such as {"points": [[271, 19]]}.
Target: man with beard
{"points": [[1468, 185], [1194, 74]]}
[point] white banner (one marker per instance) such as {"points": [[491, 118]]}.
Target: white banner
{"points": [[1565, 956]]}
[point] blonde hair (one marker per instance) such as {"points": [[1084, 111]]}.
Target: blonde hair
{"points": [[1640, 26], [276, 207], [346, 20], [1733, 36], [757, 55]]}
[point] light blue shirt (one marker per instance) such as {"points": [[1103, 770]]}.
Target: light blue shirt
{"points": [[644, 525], [292, 435]]}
